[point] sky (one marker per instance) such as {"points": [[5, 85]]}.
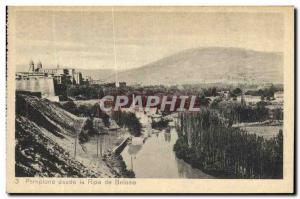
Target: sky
{"points": [[125, 38]]}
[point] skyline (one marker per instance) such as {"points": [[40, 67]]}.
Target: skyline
{"points": [[83, 37]]}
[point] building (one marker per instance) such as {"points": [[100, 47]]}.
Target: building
{"points": [[77, 78], [279, 96], [36, 83], [49, 82], [249, 99], [110, 84], [224, 94], [96, 82], [122, 84]]}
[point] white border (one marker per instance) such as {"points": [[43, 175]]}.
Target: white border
{"points": [[93, 2]]}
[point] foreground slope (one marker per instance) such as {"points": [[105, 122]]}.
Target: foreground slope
{"points": [[37, 155], [45, 135]]}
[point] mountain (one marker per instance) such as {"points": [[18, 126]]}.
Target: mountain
{"points": [[210, 65], [201, 65], [101, 74]]}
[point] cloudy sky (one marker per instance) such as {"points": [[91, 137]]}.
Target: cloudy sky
{"points": [[83, 37]]}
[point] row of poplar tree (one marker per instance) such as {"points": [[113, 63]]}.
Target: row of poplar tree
{"points": [[208, 142]]}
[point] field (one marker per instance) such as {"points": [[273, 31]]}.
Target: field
{"points": [[265, 131]]}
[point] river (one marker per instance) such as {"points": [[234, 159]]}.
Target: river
{"points": [[155, 158]]}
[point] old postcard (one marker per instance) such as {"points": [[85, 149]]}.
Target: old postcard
{"points": [[150, 99]]}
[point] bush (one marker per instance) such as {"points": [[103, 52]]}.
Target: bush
{"points": [[160, 124], [87, 131], [129, 120], [70, 107]]}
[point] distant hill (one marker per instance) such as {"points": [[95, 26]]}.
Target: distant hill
{"points": [[210, 65], [202, 65], [99, 74]]}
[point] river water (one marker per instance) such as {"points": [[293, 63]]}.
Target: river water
{"points": [[155, 158]]}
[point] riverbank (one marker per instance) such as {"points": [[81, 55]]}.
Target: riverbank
{"points": [[184, 153], [215, 173], [228, 152], [48, 145], [104, 152], [153, 157], [114, 160], [118, 166], [187, 154]]}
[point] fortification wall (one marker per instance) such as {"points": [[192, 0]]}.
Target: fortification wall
{"points": [[44, 85]]}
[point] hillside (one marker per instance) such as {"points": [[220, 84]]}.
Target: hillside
{"points": [[37, 155], [45, 135], [210, 65], [100, 74]]}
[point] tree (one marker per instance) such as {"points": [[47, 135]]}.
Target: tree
{"points": [[278, 114], [83, 110], [204, 101], [105, 119], [129, 120], [237, 91], [215, 103], [70, 106], [208, 142]]}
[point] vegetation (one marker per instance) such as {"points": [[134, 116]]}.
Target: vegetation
{"points": [[87, 131], [207, 142], [278, 114], [128, 120], [86, 91], [211, 91], [203, 101], [163, 123], [267, 92], [87, 111], [237, 112], [237, 91], [71, 107]]}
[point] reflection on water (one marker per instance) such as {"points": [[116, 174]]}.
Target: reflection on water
{"points": [[134, 149], [156, 158], [91, 153], [99, 145], [167, 137]]}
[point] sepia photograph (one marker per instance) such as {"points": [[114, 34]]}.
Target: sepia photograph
{"points": [[139, 98]]}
